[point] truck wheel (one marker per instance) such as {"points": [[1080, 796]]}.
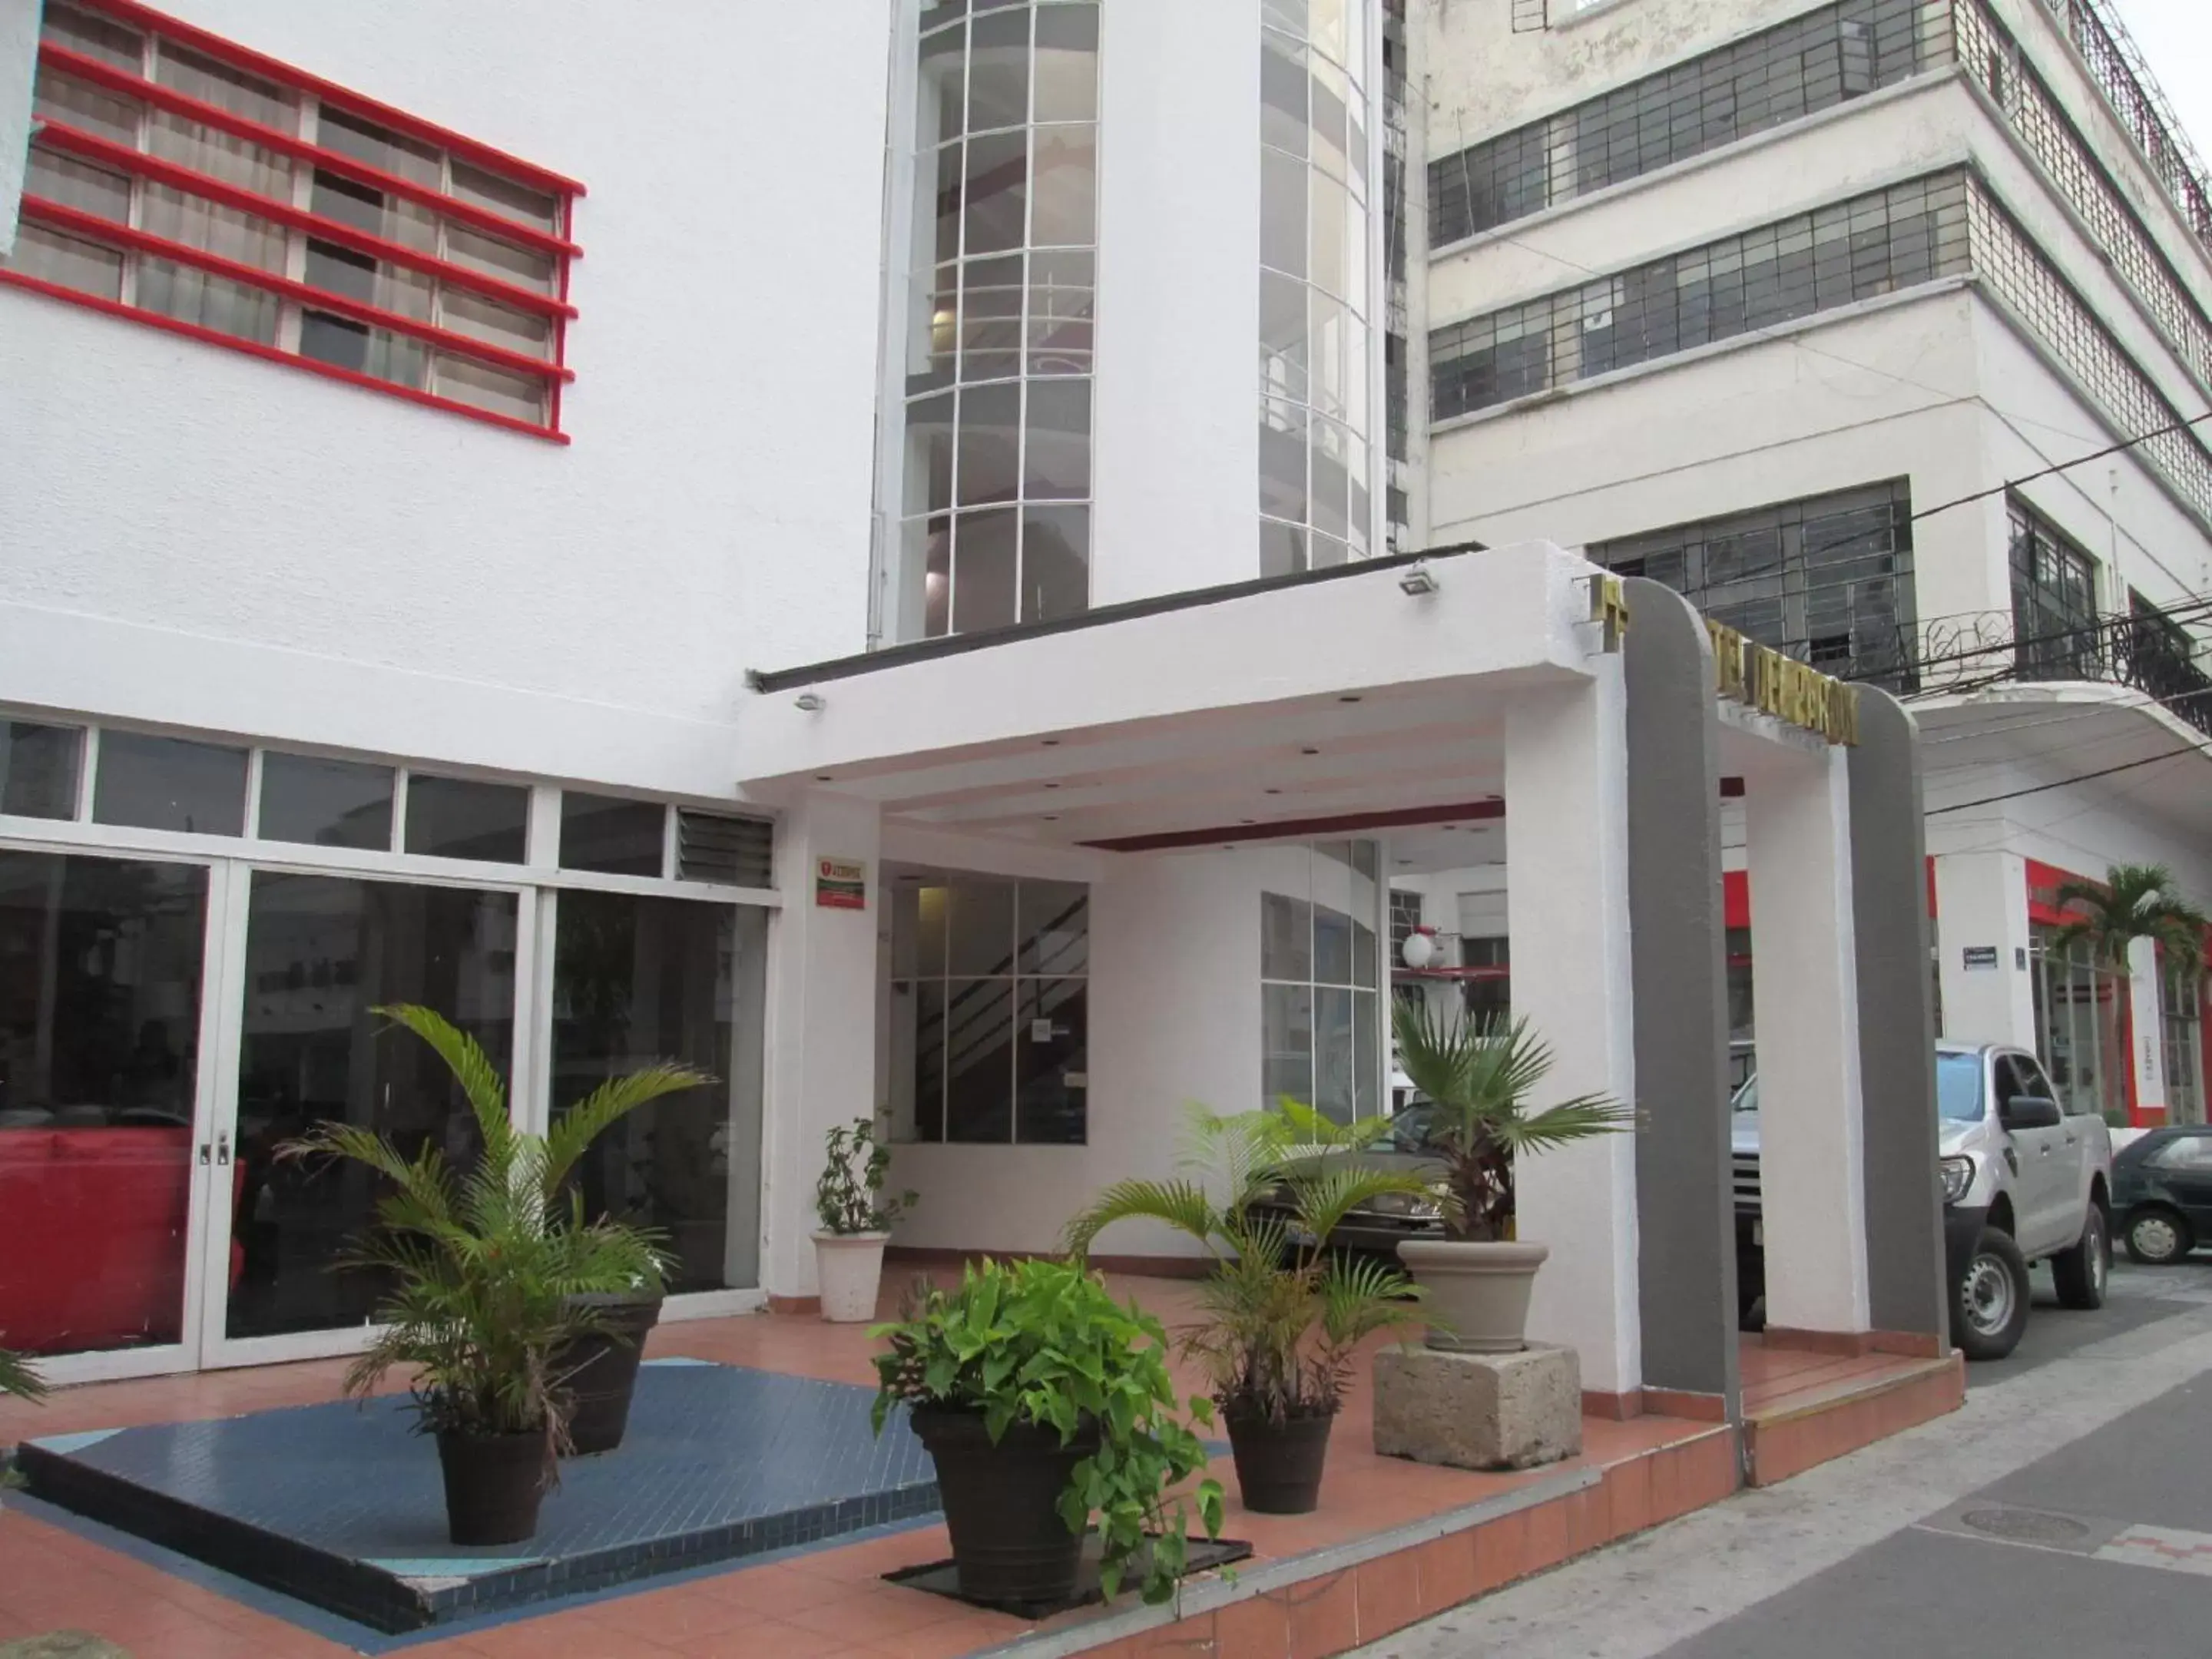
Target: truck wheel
{"points": [[2158, 1238], [1988, 1305], [2081, 1272]]}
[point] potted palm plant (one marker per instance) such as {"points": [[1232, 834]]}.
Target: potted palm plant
{"points": [[1044, 1401], [1283, 1314], [1481, 1077], [856, 1222], [486, 1271]]}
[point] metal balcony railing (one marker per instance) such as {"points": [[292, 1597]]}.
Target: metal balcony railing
{"points": [[2117, 66], [1970, 653]]}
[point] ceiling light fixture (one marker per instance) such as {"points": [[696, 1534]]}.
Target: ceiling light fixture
{"points": [[809, 702]]}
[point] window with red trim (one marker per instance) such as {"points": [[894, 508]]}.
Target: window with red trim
{"points": [[218, 193]]}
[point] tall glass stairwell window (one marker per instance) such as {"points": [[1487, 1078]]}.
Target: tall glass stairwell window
{"points": [[1316, 311], [986, 493]]}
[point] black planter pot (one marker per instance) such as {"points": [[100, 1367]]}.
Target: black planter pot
{"points": [[1279, 1465], [1002, 1504], [494, 1483], [601, 1368]]}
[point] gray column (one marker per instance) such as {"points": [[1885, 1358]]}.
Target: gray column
{"points": [[1685, 1205], [1897, 1027]]}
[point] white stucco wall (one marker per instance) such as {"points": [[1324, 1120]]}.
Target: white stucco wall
{"points": [[1176, 455], [18, 45], [196, 537]]}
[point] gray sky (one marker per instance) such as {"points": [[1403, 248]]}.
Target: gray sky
{"points": [[2176, 37]]}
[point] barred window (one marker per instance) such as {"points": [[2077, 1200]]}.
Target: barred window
{"points": [[1827, 579], [1839, 51], [1988, 54], [196, 186], [1835, 256], [2015, 271], [2166, 657], [2054, 598]]}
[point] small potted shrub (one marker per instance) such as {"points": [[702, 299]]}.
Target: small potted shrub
{"points": [[486, 1271], [1283, 1314], [1044, 1401], [1480, 1274], [856, 1222]]}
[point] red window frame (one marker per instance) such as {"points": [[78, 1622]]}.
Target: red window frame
{"points": [[298, 221]]}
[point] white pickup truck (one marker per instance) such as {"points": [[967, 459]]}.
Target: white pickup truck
{"points": [[2024, 1180]]}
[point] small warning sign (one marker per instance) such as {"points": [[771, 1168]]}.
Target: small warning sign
{"points": [[841, 885]]}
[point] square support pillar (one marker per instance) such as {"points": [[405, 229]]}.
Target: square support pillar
{"points": [[1812, 1151], [2148, 1104], [1685, 1191], [1981, 905], [1566, 832], [822, 1057]]}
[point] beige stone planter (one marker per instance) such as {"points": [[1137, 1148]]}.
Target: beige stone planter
{"points": [[1478, 1292]]}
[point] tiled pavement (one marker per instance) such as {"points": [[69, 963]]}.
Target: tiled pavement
{"points": [[831, 1600]]}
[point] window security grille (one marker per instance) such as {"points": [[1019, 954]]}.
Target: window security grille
{"points": [[1827, 580], [733, 851]]}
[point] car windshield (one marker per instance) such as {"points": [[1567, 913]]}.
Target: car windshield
{"points": [[1411, 1126], [1957, 1088]]}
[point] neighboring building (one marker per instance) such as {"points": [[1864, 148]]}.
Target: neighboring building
{"points": [[1801, 309]]}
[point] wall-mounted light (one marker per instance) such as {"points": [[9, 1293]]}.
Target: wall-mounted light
{"points": [[1417, 580]]}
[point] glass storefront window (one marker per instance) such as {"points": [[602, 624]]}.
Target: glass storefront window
{"points": [[2181, 1013], [989, 1026], [325, 803], [38, 769], [2079, 1010], [638, 979], [1320, 1001], [100, 966], [321, 952], [456, 819], [168, 783]]}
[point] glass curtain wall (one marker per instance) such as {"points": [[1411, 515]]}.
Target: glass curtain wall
{"points": [[1316, 469], [100, 973], [991, 512], [1321, 1013]]}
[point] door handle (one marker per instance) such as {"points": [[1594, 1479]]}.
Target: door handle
{"points": [[2043, 1151], [222, 1150], [204, 1154]]}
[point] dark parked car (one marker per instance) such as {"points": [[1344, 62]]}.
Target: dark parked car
{"points": [[2163, 1193], [1376, 1228]]}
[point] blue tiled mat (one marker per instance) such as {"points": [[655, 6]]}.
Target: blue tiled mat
{"points": [[342, 1507]]}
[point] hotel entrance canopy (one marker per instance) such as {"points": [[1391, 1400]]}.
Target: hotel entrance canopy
{"points": [[1524, 681]]}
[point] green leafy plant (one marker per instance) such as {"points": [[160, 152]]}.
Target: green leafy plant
{"points": [[1284, 1315], [2133, 901], [483, 1266], [1045, 1343], [849, 1197], [1481, 1075]]}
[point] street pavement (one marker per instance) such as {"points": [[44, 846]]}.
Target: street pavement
{"points": [[2066, 1509]]}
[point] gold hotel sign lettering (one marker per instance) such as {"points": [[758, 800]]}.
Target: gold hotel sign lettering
{"points": [[1748, 672]]}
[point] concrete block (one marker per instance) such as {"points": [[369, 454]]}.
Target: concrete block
{"points": [[1479, 1410]]}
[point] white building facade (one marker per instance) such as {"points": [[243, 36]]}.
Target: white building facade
{"points": [[1882, 330], [418, 423]]}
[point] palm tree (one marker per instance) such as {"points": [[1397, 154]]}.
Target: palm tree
{"points": [[1481, 1075], [19, 1377], [2133, 901], [1283, 1314], [483, 1268]]}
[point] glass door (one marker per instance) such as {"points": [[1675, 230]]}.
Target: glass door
{"points": [[317, 954], [107, 1016]]}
